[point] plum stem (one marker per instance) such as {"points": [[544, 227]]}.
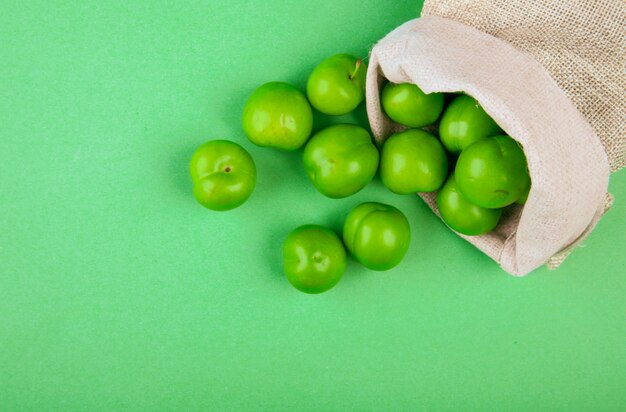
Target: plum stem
{"points": [[356, 69]]}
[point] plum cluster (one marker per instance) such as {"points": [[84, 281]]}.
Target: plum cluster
{"points": [[476, 168]]}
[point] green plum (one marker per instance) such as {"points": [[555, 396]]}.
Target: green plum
{"points": [[462, 215], [340, 160], [337, 85], [413, 161], [277, 115], [492, 172], [524, 196], [407, 104], [223, 175], [314, 258], [463, 122], [377, 235]]}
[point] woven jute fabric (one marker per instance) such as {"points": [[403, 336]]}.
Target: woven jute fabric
{"points": [[569, 159], [581, 43]]}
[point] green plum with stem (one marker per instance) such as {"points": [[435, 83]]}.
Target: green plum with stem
{"points": [[337, 85], [223, 175]]}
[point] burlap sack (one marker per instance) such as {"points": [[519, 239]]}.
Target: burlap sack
{"points": [[551, 74]]}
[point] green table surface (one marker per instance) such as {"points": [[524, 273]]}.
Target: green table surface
{"points": [[119, 292]]}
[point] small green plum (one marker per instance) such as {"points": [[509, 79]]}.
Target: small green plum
{"points": [[524, 196], [223, 175], [314, 258], [463, 122], [407, 104], [492, 172], [462, 215], [340, 160], [277, 115], [413, 161], [377, 235], [337, 85]]}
